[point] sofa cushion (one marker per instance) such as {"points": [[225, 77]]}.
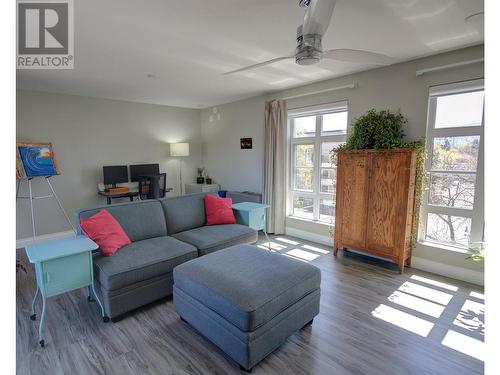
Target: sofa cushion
{"points": [[141, 260], [215, 237], [246, 285], [184, 212], [140, 220]]}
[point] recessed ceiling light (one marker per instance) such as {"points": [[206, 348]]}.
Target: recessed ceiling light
{"points": [[474, 16]]}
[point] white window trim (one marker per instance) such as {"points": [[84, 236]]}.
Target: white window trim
{"points": [[477, 213], [317, 111]]}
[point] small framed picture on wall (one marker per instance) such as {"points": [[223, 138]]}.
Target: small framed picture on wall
{"points": [[245, 143]]}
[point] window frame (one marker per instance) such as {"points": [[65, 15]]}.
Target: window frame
{"points": [[476, 213], [317, 140]]}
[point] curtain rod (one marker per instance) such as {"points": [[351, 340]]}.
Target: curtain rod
{"points": [[349, 86], [448, 66]]}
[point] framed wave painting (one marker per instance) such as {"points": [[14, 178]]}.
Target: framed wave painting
{"points": [[35, 160]]}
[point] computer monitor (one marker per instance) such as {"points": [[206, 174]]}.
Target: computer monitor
{"points": [[138, 170], [115, 174]]}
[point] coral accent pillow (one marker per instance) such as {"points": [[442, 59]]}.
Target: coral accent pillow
{"points": [[105, 231], [219, 210]]}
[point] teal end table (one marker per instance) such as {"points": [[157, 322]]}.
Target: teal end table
{"points": [[252, 215], [62, 266]]}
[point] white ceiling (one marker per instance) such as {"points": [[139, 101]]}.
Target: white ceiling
{"points": [[187, 44]]}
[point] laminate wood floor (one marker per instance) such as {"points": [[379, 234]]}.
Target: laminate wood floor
{"points": [[372, 321]]}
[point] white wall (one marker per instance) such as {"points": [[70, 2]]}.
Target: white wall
{"points": [[232, 167], [394, 87], [88, 133]]}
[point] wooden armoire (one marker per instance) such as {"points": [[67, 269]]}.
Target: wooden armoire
{"points": [[375, 203]]}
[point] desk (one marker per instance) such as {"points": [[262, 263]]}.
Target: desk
{"points": [[109, 196], [61, 266], [252, 215]]}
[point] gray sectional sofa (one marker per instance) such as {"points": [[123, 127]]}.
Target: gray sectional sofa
{"points": [[164, 233]]}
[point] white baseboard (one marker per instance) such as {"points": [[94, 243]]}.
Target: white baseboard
{"points": [[308, 236], [22, 242], [443, 269]]}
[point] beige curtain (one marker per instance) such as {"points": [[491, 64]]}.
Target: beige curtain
{"points": [[274, 165]]}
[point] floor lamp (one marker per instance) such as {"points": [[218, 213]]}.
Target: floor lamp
{"points": [[179, 150]]}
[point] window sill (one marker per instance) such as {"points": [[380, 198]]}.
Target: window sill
{"points": [[309, 220], [445, 247]]}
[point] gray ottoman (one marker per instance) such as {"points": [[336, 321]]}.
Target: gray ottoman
{"points": [[246, 300]]}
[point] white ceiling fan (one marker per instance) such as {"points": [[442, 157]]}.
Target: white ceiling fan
{"points": [[309, 49]]}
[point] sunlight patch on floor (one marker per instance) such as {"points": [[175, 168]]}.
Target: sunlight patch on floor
{"points": [[274, 246], [426, 293], [302, 254], [403, 320], [417, 304], [440, 284], [471, 317], [286, 240], [316, 249], [464, 344], [477, 295]]}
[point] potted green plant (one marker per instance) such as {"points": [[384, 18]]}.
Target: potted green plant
{"points": [[379, 130], [208, 180], [200, 179]]}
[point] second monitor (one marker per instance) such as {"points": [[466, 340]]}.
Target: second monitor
{"points": [[143, 170]]}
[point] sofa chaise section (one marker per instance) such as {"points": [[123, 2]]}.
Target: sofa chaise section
{"points": [[141, 272]]}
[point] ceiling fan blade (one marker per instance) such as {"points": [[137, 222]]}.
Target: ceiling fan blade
{"points": [[272, 61], [318, 16], [358, 56]]}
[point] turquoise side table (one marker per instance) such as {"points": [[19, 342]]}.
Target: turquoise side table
{"points": [[252, 215], [61, 266]]}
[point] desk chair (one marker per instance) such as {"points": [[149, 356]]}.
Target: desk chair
{"points": [[152, 186]]}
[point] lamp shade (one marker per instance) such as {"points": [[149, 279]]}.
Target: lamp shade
{"points": [[179, 149]]}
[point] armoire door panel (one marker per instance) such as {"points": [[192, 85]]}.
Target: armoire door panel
{"points": [[353, 199], [386, 208]]}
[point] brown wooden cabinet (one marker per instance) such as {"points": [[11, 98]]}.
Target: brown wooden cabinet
{"points": [[376, 202]]}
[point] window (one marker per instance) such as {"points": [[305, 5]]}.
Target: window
{"points": [[452, 210], [314, 132]]}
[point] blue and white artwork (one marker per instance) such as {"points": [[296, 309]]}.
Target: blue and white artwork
{"points": [[37, 160]]}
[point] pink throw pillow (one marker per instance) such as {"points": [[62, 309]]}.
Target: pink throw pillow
{"points": [[103, 229], [219, 210]]}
